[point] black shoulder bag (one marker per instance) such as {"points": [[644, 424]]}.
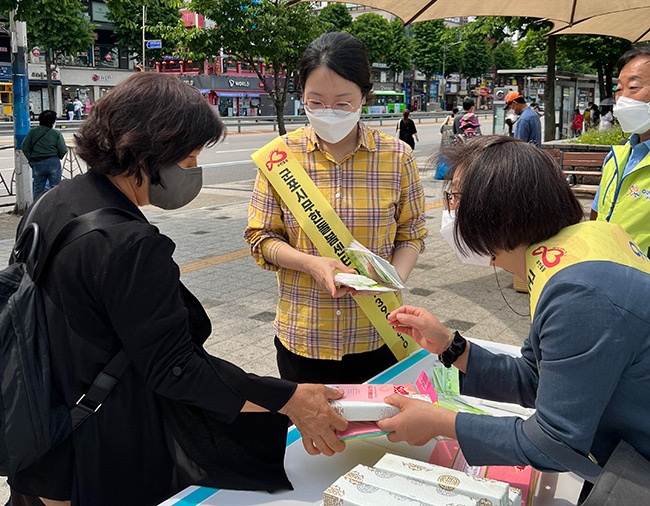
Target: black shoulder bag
{"points": [[625, 479]]}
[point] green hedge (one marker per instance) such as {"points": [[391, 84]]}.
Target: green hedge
{"points": [[607, 138]]}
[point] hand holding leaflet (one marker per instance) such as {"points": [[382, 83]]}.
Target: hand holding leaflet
{"points": [[375, 273]]}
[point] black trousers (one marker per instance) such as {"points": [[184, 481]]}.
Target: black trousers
{"points": [[353, 368]]}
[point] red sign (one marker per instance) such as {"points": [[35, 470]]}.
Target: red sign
{"points": [[36, 52]]}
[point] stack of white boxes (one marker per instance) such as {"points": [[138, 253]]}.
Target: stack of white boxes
{"points": [[400, 480]]}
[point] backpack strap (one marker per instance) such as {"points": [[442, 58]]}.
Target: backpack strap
{"points": [[78, 227], [559, 452], [106, 380]]}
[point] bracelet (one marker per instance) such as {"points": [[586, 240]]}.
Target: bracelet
{"points": [[455, 350]]}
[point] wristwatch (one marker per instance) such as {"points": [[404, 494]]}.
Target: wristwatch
{"points": [[455, 350]]}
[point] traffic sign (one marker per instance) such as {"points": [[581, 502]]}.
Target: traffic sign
{"points": [[154, 44]]}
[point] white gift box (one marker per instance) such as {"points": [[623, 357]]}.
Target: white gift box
{"points": [[368, 486], [491, 492]]}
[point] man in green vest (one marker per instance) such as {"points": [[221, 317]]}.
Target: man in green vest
{"points": [[623, 196]]}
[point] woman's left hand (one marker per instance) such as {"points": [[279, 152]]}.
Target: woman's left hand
{"points": [[418, 421]]}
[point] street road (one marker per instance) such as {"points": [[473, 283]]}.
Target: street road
{"points": [[229, 161]]}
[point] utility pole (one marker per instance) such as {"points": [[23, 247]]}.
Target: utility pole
{"points": [[144, 38], [24, 194], [443, 95]]}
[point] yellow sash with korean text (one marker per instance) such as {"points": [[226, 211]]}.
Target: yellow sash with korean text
{"points": [[326, 230], [584, 242]]}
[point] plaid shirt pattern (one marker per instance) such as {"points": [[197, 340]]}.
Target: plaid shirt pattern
{"points": [[376, 191]]}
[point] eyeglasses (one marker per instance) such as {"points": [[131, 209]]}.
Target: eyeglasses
{"points": [[451, 198], [339, 108]]}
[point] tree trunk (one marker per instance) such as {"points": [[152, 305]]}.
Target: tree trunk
{"points": [[549, 91], [601, 80], [427, 93], [279, 111], [609, 80], [50, 85], [280, 100]]}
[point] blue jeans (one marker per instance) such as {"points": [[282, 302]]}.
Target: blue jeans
{"points": [[44, 171]]}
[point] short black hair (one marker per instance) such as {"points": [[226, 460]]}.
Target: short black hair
{"points": [[468, 103], [169, 119], [454, 110], [630, 55], [512, 194], [47, 118], [342, 54]]}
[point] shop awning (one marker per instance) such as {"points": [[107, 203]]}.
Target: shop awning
{"points": [[236, 94]]}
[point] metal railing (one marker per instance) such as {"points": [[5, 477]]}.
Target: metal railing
{"points": [[241, 122]]}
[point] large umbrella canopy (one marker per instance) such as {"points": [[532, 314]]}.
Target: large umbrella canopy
{"points": [[632, 24], [570, 12]]}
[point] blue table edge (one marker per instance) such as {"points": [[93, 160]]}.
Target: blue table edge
{"points": [[202, 493]]}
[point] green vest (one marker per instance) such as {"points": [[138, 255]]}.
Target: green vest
{"points": [[626, 200]]}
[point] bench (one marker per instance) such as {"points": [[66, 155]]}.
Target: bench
{"points": [[573, 165]]}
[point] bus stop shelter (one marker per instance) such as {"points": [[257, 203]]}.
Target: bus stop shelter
{"points": [[571, 90]]}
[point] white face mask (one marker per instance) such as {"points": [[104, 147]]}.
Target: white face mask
{"points": [[511, 115], [633, 115], [447, 231], [331, 127]]}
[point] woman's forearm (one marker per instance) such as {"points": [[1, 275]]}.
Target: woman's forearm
{"points": [[404, 260]]}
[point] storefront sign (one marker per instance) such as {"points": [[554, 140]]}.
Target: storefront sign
{"points": [[102, 78], [238, 84], [42, 75]]}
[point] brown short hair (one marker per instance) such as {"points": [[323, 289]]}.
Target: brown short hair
{"points": [[145, 123], [512, 194]]}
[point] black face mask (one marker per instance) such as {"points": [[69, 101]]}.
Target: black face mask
{"points": [[178, 187]]}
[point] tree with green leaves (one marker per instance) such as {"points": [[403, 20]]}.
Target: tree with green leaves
{"points": [[428, 45], [335, 17], [505, 55], [432, 49], [163, 21], [57, 28], [371, 29], [476, 57], [256, 32], [599, 53], [399, 57]]}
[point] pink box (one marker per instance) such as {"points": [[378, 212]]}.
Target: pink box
{"points": [[521, 477], [447, 453]]}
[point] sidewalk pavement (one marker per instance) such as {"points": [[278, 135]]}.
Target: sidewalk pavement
{"points": [[240, 297]]}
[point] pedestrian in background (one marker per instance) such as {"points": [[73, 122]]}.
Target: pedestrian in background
{"points": [[594, 120], [469, 124], [372, 182], [606, 118], [69, 109], [78, 108], [449, 119], [576, 124], [44, 147], [407, 130], [447, 128], [468, 106], [587, 121], [528, 127]]}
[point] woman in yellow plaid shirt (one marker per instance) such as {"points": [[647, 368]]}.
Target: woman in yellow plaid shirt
{"points": [[371, 181]]}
